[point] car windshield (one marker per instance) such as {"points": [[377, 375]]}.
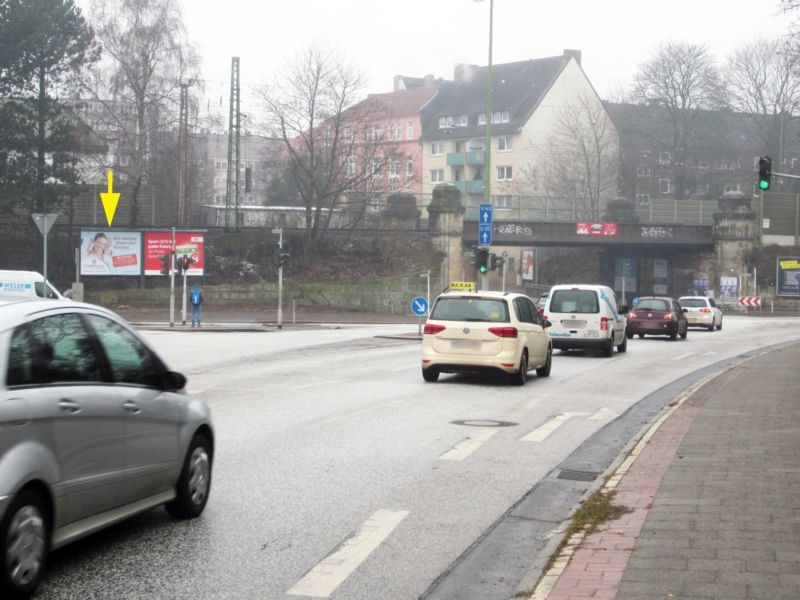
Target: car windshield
{"points": [[693, 302], [470, 309], [574, 301], [653, 304]]}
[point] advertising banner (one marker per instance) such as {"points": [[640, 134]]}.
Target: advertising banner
{"points": [[728, 287], [787, 277], [596, 228], [111, 252], [527, 265], [187, 243]]}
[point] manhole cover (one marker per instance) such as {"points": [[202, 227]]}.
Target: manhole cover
{"points": [[577, 475], [484, 423]]}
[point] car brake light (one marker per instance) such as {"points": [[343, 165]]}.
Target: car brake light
{"points": [[632, 315], [504, 332], [668, 316], [432, 329], [603, 323], [705, 310]]}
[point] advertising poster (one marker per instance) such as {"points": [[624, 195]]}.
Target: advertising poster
{"points": [[787, 278], [625, 275], [728, 287], [527, 265], [111, 252], [187, 243], [596, 229]]}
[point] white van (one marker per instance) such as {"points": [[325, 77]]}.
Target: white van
{"points": [[586, 317], [26, 284]]}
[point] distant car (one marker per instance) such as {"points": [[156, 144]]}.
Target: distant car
{"points": [[702, 311], [657, 315], [542, 302], [94, 428], [484, 332]]}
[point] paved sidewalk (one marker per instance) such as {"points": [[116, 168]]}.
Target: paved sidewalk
{"points": [[714, 494]]}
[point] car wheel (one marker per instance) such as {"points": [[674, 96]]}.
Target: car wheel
{"points": [[430, 374], [623, 347], [674, 335], [629, 335], [608, 350], [685, 332], [711, 327], [545, 370], [641, 336], [720, 325], [521, 375], [194, 484], [25, 543]]}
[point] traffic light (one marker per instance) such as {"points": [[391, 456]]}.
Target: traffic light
{"points": [[482, 260], [764, 173], [282, 257], [497, 261], [184, 262], [166, 259]]}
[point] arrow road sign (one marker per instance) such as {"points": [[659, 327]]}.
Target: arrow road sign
{"points": [[750, 300], [486, 214], [419, 306], [485, 234]]}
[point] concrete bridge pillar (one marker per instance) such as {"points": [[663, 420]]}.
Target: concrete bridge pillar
{"points": [[446, 227], [734, 239]]}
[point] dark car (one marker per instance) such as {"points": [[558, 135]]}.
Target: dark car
{"points": [[657, 315]]}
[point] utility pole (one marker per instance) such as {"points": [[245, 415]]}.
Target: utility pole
{"points": [[234, 132], [172, 281], [279, 231], [183, 154]]}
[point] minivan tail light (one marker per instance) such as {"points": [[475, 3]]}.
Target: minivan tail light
{"points": [[432, 329], [603, 323], [705, 310], [504, 332]]}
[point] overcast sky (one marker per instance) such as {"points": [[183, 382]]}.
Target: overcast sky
{"points": [[416, 37]]}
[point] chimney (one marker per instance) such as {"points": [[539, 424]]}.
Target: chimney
{"points": [[576, 54], [464, 73]]}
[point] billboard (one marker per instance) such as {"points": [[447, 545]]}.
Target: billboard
{"points": [[592, 228], [111, 252], [527, 265], [787, 276], [187, 243]]}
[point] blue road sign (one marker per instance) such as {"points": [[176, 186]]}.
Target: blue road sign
{"points": [[486, 214], [419, 306], [485, 234]]}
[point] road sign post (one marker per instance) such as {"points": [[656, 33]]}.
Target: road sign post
{"points": [[419, 306], [44, 222], [485, 235]]}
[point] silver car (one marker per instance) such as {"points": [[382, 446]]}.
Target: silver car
{"points": [[94, 428]]}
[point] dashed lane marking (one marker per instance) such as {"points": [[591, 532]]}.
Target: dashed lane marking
{"points": [[467, 446], [323, 579], [542, 432]]}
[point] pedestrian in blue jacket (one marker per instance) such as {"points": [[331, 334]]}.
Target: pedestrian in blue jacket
{"points": [[197, 305]]}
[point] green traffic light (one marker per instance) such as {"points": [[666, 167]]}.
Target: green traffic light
{"points": [[483, 269], [763, 184]]}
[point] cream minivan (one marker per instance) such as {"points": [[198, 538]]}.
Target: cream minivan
{"points": [[586, 317], [26, 284]]}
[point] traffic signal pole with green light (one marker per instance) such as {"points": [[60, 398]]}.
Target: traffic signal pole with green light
{"points": [[765, 174]]}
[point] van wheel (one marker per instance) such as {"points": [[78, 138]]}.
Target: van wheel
{"points": [[623, 347], [608, 351], [521, 375], [431, 374]]}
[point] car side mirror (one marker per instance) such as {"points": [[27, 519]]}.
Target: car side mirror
{"points": [[546, 324], [174, 381], [686, 310]]}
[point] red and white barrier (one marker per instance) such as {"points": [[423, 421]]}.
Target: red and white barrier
{"points": [[750, 301]]}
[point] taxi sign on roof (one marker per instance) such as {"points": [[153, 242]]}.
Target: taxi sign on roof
{"points": [[463, 285]]}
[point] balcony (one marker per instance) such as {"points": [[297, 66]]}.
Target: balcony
{"points": [[471, 157], [474, 186]]}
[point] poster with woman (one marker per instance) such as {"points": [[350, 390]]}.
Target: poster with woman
{"points": [[111, 252]]}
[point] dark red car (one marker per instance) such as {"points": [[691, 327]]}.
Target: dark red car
{"points": [[657, 315]]}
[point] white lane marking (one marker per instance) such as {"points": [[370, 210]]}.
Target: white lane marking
{"points": [[543, 431], [604, 414], [322, 580], [682, 356], [467, 446]]}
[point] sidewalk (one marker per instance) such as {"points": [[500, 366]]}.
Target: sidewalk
{"points": [[714, 494]]}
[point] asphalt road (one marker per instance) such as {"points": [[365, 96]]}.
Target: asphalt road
{"points": [[340, 473]]}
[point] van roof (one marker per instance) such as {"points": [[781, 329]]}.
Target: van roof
{"points": [[8, 273]]}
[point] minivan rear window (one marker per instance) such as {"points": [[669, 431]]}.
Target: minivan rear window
{"points": [[470, 309], [574, 301]]}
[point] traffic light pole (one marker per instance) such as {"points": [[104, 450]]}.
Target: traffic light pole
{"points": [[280, 278], [172, 281], [183, 301]]}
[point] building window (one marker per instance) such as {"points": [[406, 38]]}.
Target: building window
{"points": [[350, 166], [453, 121], [410, 130], [502, 202], [376, 167], [663, 186], [643, 199], [376, 132], [394, 131], [665, 159], [504, 173], [645, 155], [221, 165], [437, 148], [437, 175], [394, 167], [732, 187], [409, 168], [504, 143], [643, 171]]}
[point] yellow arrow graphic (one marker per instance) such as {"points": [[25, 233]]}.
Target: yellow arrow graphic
{"points": [[110, 198]]}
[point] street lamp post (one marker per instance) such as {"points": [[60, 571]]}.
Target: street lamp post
{"points": [[487, 177]]}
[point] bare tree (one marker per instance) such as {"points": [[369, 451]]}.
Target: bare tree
{"points": [[763, 81], [683, 79], [146, 57], [336, 150], [583, 156]]}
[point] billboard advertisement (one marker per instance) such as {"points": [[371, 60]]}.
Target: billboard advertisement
{"points": [[187, 243], [527, 265], [111, 252], [596, 229], [787, 276]]}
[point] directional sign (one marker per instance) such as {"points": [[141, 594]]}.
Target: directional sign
{"points": [[110, 199], [750, 300], [44, 221], [485, 234], [419, 306], [486, 214]]}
